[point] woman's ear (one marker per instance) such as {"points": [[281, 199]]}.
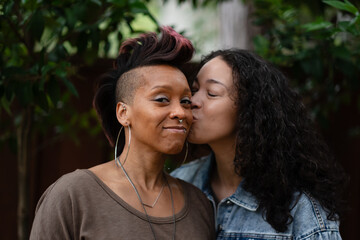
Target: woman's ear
{"points": [[121, 114]]}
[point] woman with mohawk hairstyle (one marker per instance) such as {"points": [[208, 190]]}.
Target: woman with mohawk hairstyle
{"points": [[144, 107]]}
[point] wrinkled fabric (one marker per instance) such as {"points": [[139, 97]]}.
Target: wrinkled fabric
{"points": [[239, 217], [81, 206]]}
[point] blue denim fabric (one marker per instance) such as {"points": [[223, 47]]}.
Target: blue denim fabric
{"points": [[239, 216]]}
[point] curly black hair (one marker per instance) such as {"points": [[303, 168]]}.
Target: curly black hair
{"points": [[278, 150]]}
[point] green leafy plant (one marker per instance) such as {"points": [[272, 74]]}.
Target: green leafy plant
{"points": [[39, 43], [320, 52]]}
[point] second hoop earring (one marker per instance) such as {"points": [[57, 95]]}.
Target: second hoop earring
{"points": [[186, 152]]}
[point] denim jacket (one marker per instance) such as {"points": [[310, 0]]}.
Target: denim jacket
{"points": [[239, 216]]}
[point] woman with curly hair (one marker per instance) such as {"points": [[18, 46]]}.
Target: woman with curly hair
{"points": [[269, 174], [131, 197]]}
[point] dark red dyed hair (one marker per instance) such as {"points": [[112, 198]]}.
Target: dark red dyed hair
{"points": [[168, 48]]}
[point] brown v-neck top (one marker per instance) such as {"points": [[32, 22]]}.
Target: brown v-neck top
{"points": [[80, 206]]}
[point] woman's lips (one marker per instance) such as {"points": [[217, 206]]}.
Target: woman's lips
{"points": [[176, 129]]}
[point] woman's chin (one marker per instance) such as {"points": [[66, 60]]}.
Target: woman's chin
{"points": [[174, 149]]}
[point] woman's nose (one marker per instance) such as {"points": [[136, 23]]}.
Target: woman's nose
{"points": [[178, 111]]}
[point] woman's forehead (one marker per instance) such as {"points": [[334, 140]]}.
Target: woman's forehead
{"points": [[216, 71], [161, 74]]}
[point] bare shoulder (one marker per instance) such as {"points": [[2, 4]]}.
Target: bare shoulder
{"points": [[103, 171]]}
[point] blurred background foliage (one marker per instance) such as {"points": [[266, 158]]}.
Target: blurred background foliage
{"points": [[318, 45], [44, 43], [40, 40]]}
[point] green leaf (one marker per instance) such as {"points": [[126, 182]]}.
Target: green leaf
{"points": [[36, 25], [356, 20], [61, 72], [97, 2], [345, 6], [152, 18], [316, 25], [138, 7], [8, 7], [70, 86], [354, 30], [344, 25], [71, 17]]}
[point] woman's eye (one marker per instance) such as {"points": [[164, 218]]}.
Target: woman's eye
{"points": [[186, 101], [162, 100], [211, 94]]}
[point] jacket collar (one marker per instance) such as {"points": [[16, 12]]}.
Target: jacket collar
{"points": [[241, 197]]}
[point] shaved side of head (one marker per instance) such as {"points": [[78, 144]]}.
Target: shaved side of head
{"points": [[128, 83]]}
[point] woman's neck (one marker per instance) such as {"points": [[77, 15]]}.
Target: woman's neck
{"points": [[144, 166], [224, 180]]}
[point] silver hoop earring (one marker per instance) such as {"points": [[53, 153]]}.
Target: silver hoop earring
{"points": [[117, 161], [186, 153]]}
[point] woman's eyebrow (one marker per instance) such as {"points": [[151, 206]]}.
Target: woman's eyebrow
{"points": [[169, 88], [216, 82]]}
